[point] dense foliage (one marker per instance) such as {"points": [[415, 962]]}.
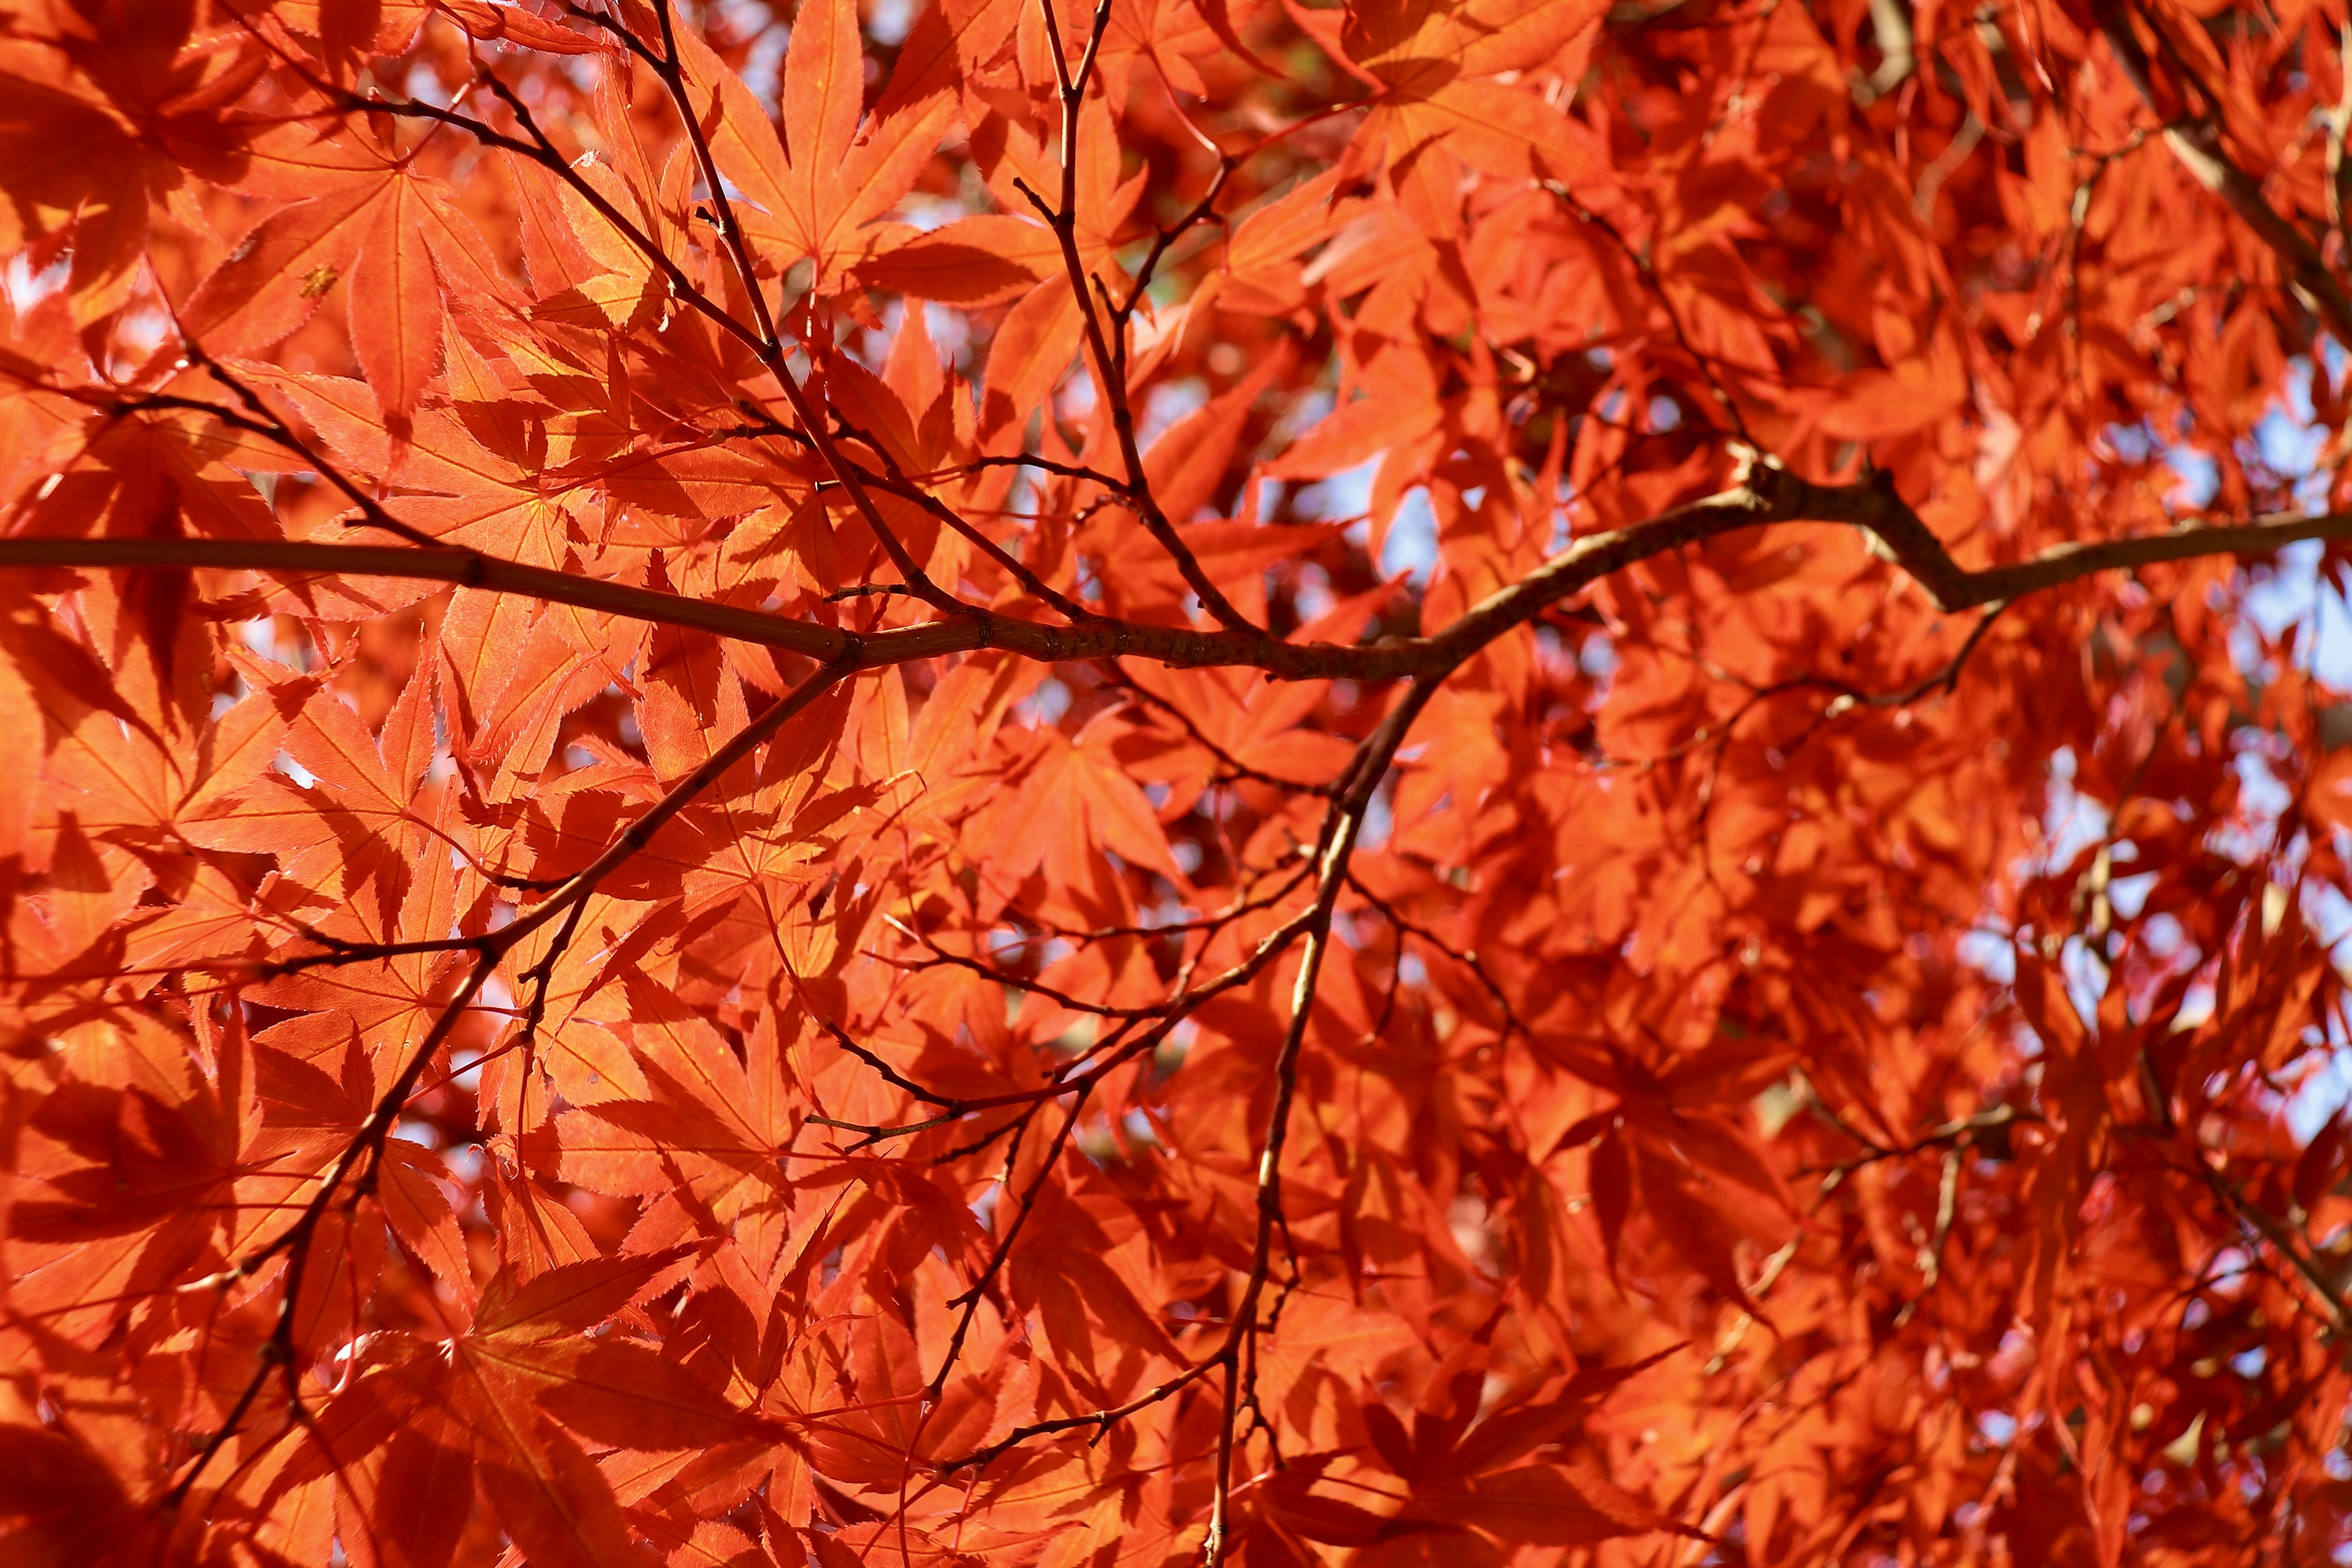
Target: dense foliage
{"points": [[1457, 782]]}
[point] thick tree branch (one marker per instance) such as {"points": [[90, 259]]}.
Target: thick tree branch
{"points": [[1767, 494], [467, 568]]}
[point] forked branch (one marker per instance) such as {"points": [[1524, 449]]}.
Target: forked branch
{"points": [[1109, 362]]}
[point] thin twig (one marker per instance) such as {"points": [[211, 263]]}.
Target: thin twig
{"points": [[1062, 218]]}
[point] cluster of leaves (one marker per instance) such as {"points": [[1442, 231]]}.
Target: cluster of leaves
{"points": [[1434, 782]]}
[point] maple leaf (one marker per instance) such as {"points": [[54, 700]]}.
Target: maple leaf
{"points": [[139, 1173], [1425, 59], [66, 1504], [370, 224], [103, 126], [814, 189]]}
